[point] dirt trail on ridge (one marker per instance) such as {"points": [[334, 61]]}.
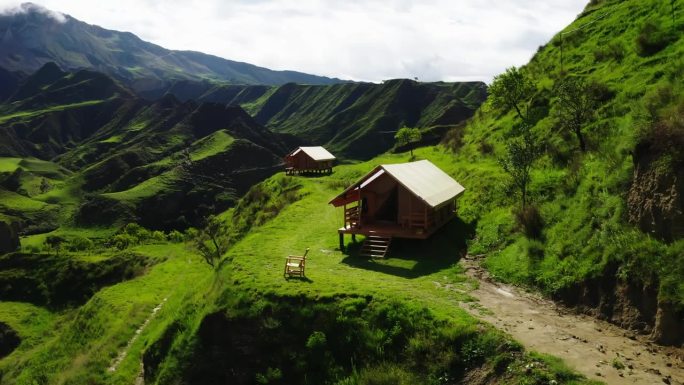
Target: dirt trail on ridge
{"points": [[586, 344]]}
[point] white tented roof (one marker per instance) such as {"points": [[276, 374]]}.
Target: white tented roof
{"points": [[316, 153], [426, 181]]}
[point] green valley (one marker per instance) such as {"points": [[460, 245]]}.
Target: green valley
{"points": [[144, 230]]}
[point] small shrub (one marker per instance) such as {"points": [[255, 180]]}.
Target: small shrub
{"points": [[175, 236], [190, 234], [600, 92], [386, 374], [139, 233], [54, 242], [531, 221], [271, 375], [34, 249], [617, 364], [79, 243], [158, 236], [535, 252], [653, 39], [613, 51], [486, 148], [122, 241], [316, 341]]}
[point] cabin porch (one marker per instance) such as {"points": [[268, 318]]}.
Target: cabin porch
{"points": [[415, 225]]}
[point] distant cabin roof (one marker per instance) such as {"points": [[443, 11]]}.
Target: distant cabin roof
{"points": [[422, 178], [315, 153]]}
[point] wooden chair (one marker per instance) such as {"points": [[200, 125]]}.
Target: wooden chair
{"points": [[294, 265]]}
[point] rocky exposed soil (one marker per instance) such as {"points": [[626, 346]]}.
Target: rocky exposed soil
{"points": [[595, 348]]}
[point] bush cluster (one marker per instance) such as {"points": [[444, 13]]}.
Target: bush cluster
{"points": [[133, 234], [653, 38]]}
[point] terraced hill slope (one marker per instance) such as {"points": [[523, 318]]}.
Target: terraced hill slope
{"points": [[354, 120], [360, 120], [116, 156]]}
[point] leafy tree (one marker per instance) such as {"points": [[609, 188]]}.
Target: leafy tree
{"points": [[212, 243], [408, 136], [521, 153], [54, 242], [512, 89], [576, 106], [44, 185]]}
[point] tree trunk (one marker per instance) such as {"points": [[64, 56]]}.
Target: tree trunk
{"points": [[580, 138]]}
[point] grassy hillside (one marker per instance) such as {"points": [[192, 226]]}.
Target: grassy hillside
{"points": [[360, 120], [604, 230], [352, 321], [354, 120], [116, 158]]}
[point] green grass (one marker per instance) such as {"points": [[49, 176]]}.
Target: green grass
{"points": [[346, 118], [418, 275], [148, 188], [18, 203], [33, 324], [87, 339], [213, 144], [34, 113], [9, 164], [581, 197]]}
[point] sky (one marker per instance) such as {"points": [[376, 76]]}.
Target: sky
{"points": [[363, 40]]}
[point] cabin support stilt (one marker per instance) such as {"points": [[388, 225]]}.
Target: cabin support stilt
{"points": [[341, 242]]}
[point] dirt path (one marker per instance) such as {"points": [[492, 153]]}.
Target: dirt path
{"points": [[586, 344], [122, 354]]}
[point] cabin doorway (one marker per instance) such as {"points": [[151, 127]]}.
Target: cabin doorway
{"points": [[390, 207]]}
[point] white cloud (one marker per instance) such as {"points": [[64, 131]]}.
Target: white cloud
{"points": [[356, 39], [16, 8]]}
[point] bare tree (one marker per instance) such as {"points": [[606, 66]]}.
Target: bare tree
{"points": [[576, 106], [212, 243]]}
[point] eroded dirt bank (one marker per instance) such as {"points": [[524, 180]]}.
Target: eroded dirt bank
{"points": [[593, 347]]}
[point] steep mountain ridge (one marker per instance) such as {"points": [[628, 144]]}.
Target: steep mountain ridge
{"points": [[30, 38], [129, 153], [604, 230], [359, 120], [354, 120]]}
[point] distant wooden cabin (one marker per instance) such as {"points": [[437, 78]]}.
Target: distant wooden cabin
{"points": [[407, 200], [309, 160]]}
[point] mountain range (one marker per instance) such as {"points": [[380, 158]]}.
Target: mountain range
{"points": [[32, 36]]}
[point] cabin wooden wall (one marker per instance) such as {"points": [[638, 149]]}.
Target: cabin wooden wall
{"points": [[376, 193], [301, 161], [409, 203]]}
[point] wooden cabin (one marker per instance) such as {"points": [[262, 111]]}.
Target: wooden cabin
{"points": [[407, 200], [309, 160]]}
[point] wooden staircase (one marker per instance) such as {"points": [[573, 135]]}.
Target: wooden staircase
{"points": [[375, 246]]}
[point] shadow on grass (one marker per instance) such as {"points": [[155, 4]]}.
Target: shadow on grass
{"points": [[312, 174], [413, 258], [301, 279]]}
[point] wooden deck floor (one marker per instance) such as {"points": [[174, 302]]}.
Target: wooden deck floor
{"points": [[388, 230]]}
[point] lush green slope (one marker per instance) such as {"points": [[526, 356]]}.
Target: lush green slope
{"points": [[354, 120], [115, 157], [609, 237], [352, 321], [32, 38], [360, 120]]}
